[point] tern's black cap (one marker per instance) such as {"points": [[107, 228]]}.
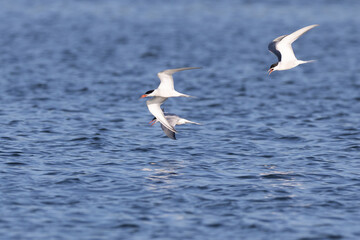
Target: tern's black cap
{"points": [[274, 65]]}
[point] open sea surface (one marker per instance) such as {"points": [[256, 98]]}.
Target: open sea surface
{"points": [[277, 157]]}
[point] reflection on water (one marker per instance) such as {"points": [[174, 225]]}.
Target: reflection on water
{"points": [[162, 178]]}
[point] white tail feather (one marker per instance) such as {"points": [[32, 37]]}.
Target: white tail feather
{"points": [[187, 121], [309, 61]]}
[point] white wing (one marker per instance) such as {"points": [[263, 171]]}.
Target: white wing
{"points": [[284, 45], [166, 79], [154, 107]]}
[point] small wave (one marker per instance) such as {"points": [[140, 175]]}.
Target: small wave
{"points": [[69, 181], [15, 163]]}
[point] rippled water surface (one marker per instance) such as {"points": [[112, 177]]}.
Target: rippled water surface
{"points": [[277, 157]]}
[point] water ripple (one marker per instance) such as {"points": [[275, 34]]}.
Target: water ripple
{"points": [[276, 156]]}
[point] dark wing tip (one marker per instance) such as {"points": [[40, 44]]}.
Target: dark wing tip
{"points": [[272, 48], [168, 133]]}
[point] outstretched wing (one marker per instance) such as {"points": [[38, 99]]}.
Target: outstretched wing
{"points": [[284, 45], [154, 107], [289, 39], [166, 79]]}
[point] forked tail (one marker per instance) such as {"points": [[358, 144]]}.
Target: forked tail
{"points": [[179, 94], [309, 61], [185, 95], [187, 121]]}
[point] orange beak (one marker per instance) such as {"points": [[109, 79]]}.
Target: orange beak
{"points": [[144, 95], [152, 122], [270, 71]]}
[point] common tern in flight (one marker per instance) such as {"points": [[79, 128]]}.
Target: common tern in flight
{"points": [[173, 120], [166, 88], [281, 47], [163, 92]]}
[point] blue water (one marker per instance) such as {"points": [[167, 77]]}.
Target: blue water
{"points": [[277, 157]]}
